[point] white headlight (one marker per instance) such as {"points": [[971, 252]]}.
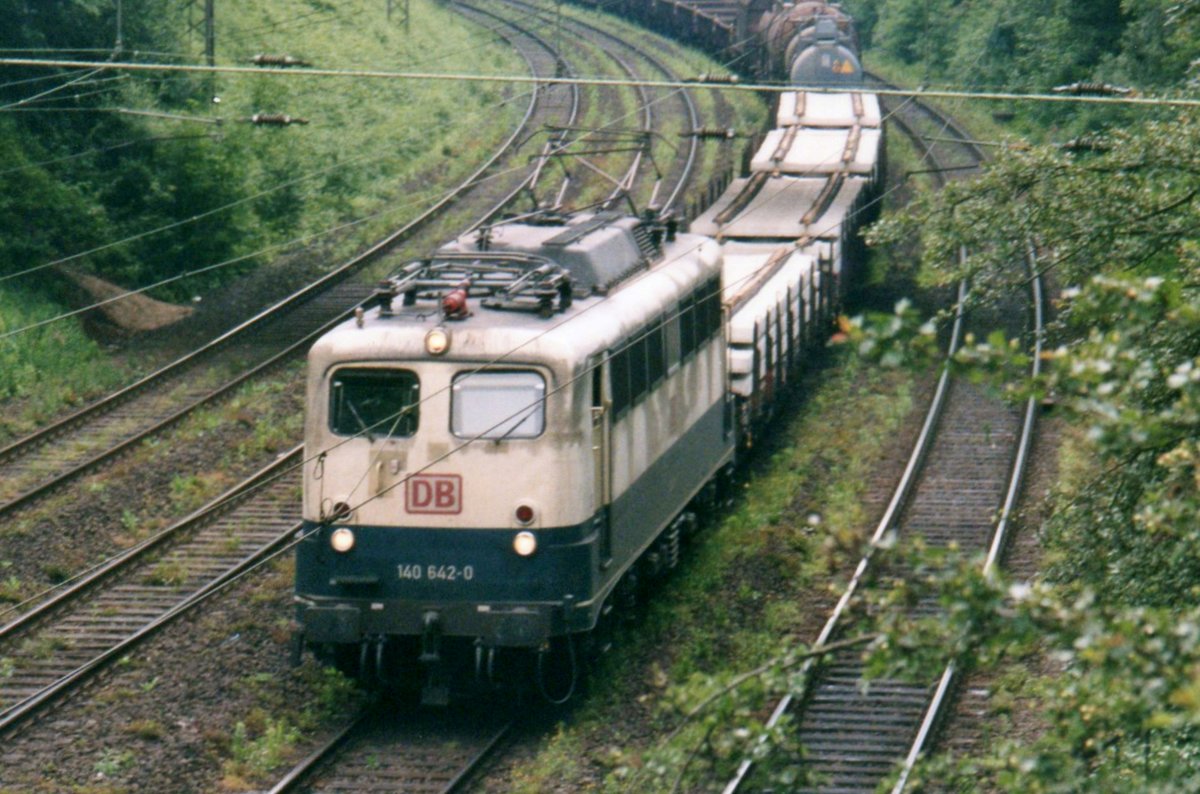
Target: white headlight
{"points": [[342, 540], [524, 544], [437, 341]]}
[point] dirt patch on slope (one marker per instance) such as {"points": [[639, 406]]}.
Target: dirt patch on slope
{"points": [[130, 312]]}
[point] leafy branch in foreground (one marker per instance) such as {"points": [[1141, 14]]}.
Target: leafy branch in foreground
{"points": [[1122, 714], [1118, 232]]}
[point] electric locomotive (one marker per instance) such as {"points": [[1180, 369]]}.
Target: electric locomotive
{"points": [[521, 428], [517, 421]]}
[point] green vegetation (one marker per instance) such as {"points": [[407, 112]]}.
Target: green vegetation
{"points": [[49, 368], [251, 758], [1115, 226], [271, 730], [11, 589], [169, 573], [113, 762], [749, 111], [252, 187], [1018, 45], [140, 200], [147, 730]]}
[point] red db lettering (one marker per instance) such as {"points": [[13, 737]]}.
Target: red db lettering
{"points": [[421, 494], [434, 493], [447, 494]]}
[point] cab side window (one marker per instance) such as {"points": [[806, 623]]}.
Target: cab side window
{"points": [[374, 402]]}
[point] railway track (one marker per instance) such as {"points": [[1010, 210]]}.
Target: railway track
{"points": [[57, 646], [253, 350], [678, 175], [614, 135], [424, 753], [966, 468]]}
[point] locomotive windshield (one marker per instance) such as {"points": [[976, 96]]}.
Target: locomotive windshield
{"points": [[374, 402], [498, 405]]}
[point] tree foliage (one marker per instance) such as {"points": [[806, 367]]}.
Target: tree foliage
{"points": [[1035, 45], [1116, 229], [56, 203]]}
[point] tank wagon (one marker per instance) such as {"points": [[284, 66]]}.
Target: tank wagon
{"points": [[812, 42], [521, 429]]}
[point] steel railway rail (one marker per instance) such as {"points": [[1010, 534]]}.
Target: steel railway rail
{"points": [[58, 645], [36, 464], [967, 464], [567, 98], [427, 753], [621, 185], [679, 174]]}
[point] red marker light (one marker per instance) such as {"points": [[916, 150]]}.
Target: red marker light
{"points": [[454, 304], [525, 514]]}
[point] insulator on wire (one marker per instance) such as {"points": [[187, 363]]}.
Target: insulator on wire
{"points": [[276, 119], [719, 133], [729, 79], [1093, 89], [285, 61]]}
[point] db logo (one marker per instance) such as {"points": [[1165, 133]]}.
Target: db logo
{"points": [[433, 493]]}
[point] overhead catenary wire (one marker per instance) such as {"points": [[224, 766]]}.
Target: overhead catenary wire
{"points": [[101, 150], [501, 358], [447, 53], [677, 86], [49, 91], [97, 87], [58, 76], [388, 147], [101, 564], [300, 537], [191, 219], [216, 266], [767, 87], [447, 455]]}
